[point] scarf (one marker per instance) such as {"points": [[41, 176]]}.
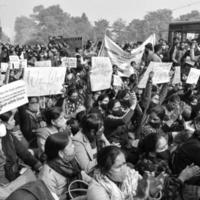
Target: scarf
{"points": [[67, 169], [128, 189]]}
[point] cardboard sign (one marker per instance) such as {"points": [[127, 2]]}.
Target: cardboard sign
{"points": [[117, 81], [44, 81], [161, 74], [4, 67], [45, 63], [193, 76], [101, 73], [69, 62], [14, 62], [177, 75], [12, 96]]}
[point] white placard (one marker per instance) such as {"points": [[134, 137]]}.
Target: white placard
{"points": [[69, 62], [4, 67], [193, 76], [161, 73], [12, 96], [177, 75], [45, 63], [101, 73], [14, 61], [117, 81], [43, 81]]}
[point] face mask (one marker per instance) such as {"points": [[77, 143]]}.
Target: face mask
{"points": [[118, 175], [118, 113]]}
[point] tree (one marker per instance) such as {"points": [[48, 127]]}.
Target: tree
{"points": [[158, 22], [82, 27], [100, 28], [119, 28], [24, 28], [192, 16], [136, 30]]}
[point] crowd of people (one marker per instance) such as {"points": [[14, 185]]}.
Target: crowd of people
{"points": [[123, 143]]}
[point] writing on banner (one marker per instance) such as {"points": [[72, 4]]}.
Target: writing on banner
{"points": [[12, 96], [69, 62], [118, 56], [177, 75], [193, 76], [161, 73], [14, 61], [117, 81], [43, 81], [45, 63], [101, 73]]}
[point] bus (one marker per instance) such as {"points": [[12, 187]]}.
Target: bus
{"points": [[186, 30]]}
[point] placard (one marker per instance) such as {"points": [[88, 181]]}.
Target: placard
{"points": [[12, 96], [161, 73], [193, 76], [45, 63], [14, 61], [69, 62], [44, 81], [101, 73]]}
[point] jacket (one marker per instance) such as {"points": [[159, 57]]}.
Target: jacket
{"points": [[14, 150], [85, 155]]}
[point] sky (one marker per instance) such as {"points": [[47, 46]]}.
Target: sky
{"points": [[94, 9]]}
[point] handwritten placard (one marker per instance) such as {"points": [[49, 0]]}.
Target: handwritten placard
{"points": [[45, 63], [14, 61], [193, 76], [69, 62], [12, 96], [101, 73], [177, 75], [42, 81], [161, 74]]}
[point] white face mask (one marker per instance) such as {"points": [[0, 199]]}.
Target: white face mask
{"points": [[2, 130]]}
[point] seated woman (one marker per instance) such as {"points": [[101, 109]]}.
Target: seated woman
{"points": [[113, 180], [55, 120], [60, 168], [57, 173], [87, 141], [12, 151]]}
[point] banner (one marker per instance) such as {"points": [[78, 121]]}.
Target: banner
{"points": [[161, 73], [100, 74], [45, 63], [177, 75], [12, 96], [69, 62], [43, 81], [193, 76], [118, 56]]}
